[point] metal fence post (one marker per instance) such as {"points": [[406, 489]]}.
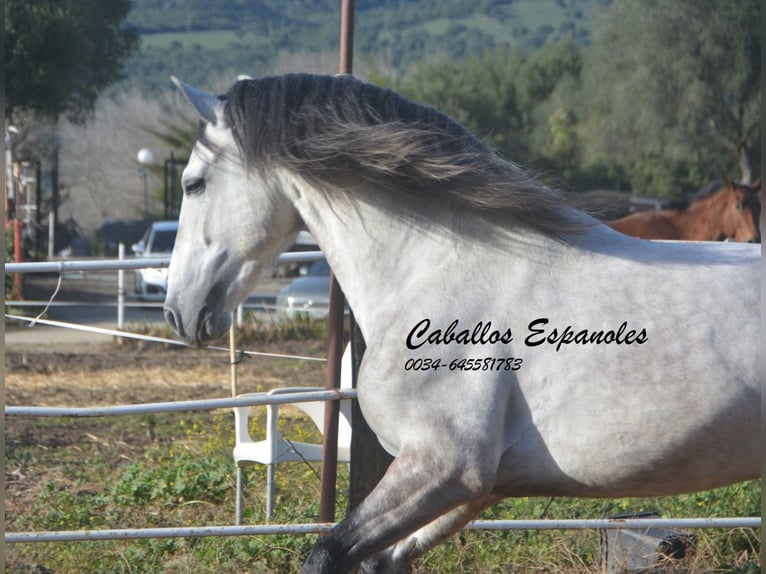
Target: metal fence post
{"points": [[120, 291]]}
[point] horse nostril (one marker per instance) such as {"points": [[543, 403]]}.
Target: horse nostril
{"points": [[173, 321]]}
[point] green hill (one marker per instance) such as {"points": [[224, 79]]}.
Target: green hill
{"points": [[202, 40]]}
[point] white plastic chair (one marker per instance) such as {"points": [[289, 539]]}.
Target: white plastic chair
{"points": [[275, 449]]}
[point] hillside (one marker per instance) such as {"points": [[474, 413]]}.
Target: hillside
{"points": [[202, 41]]}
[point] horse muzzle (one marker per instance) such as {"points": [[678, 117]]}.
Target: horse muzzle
{"points": [[203, 327]]}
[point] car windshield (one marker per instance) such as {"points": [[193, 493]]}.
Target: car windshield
{"points": [[163, 241], [319, 269]]}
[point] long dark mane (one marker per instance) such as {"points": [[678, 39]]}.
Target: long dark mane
{"points": [[331, 128]]}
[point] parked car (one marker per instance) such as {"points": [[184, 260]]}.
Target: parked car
{"points": [[308, 295], [151, 284], [303, 242]]}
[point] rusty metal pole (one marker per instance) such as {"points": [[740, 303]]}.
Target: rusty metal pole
{"points": [[332, 408], [335, 323], [346, 37]]}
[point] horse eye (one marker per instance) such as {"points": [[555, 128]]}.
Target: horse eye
{"points": [[738, 206], [194, 186]]}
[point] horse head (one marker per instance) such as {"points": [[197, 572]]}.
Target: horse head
{"points": [[741, 211], [233, 222]]}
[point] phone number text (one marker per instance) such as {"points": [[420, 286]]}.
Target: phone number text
{"points": [[485, 364]]}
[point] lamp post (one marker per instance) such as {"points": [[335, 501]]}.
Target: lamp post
{"points": [[145, 157]]}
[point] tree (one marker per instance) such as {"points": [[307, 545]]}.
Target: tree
{"points": [[98, 158], [59, 54], [509, 99], [477, 92], [674, 91]]}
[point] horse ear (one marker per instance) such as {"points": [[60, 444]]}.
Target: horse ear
{"points": [[727, 181], [208, 107]]}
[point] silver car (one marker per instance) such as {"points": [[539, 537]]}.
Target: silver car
{"points": [[308, 295]]}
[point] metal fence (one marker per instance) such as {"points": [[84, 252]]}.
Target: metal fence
{"points": [[123, 264]]}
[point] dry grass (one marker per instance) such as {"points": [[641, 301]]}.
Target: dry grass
{"points": [[115, 376]]}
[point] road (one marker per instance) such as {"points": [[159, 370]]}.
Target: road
{"points": [[89, 299]]}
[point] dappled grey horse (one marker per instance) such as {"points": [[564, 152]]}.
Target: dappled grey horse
{"points": [[515, 346]]}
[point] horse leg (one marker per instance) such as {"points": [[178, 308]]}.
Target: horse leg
{"points": [[420, 486], [393, 559]]}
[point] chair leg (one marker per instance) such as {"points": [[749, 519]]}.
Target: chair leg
{"points": [[238, 503], [270, 491]]}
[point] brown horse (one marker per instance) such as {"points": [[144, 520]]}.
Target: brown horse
{"points": [[729, 213]]}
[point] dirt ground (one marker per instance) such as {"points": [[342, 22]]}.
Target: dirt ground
{"points": [[58, 367], [105, 374]]}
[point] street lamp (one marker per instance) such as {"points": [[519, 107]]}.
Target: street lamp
{"points": [[145, 157]]}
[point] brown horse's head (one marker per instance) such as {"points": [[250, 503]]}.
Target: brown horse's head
{"points": [[742, 211]]}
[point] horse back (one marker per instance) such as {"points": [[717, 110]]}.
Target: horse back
{"points": [[647, 225]]}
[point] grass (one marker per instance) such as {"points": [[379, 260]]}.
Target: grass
{"points": [[184, 476]]}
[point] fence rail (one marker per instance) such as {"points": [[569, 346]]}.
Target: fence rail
{"points": [[254, 302], [254, 399], [323, 527], [65, 265]]}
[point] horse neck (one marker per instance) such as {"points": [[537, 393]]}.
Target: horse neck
{"points": [[383, 248]]}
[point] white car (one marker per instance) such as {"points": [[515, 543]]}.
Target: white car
{"points": [[158, 241]]}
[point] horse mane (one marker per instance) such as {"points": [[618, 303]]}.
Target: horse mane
{"points": [[332, 128]]}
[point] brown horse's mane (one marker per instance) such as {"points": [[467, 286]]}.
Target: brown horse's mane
{"points": [[330, 128]]}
